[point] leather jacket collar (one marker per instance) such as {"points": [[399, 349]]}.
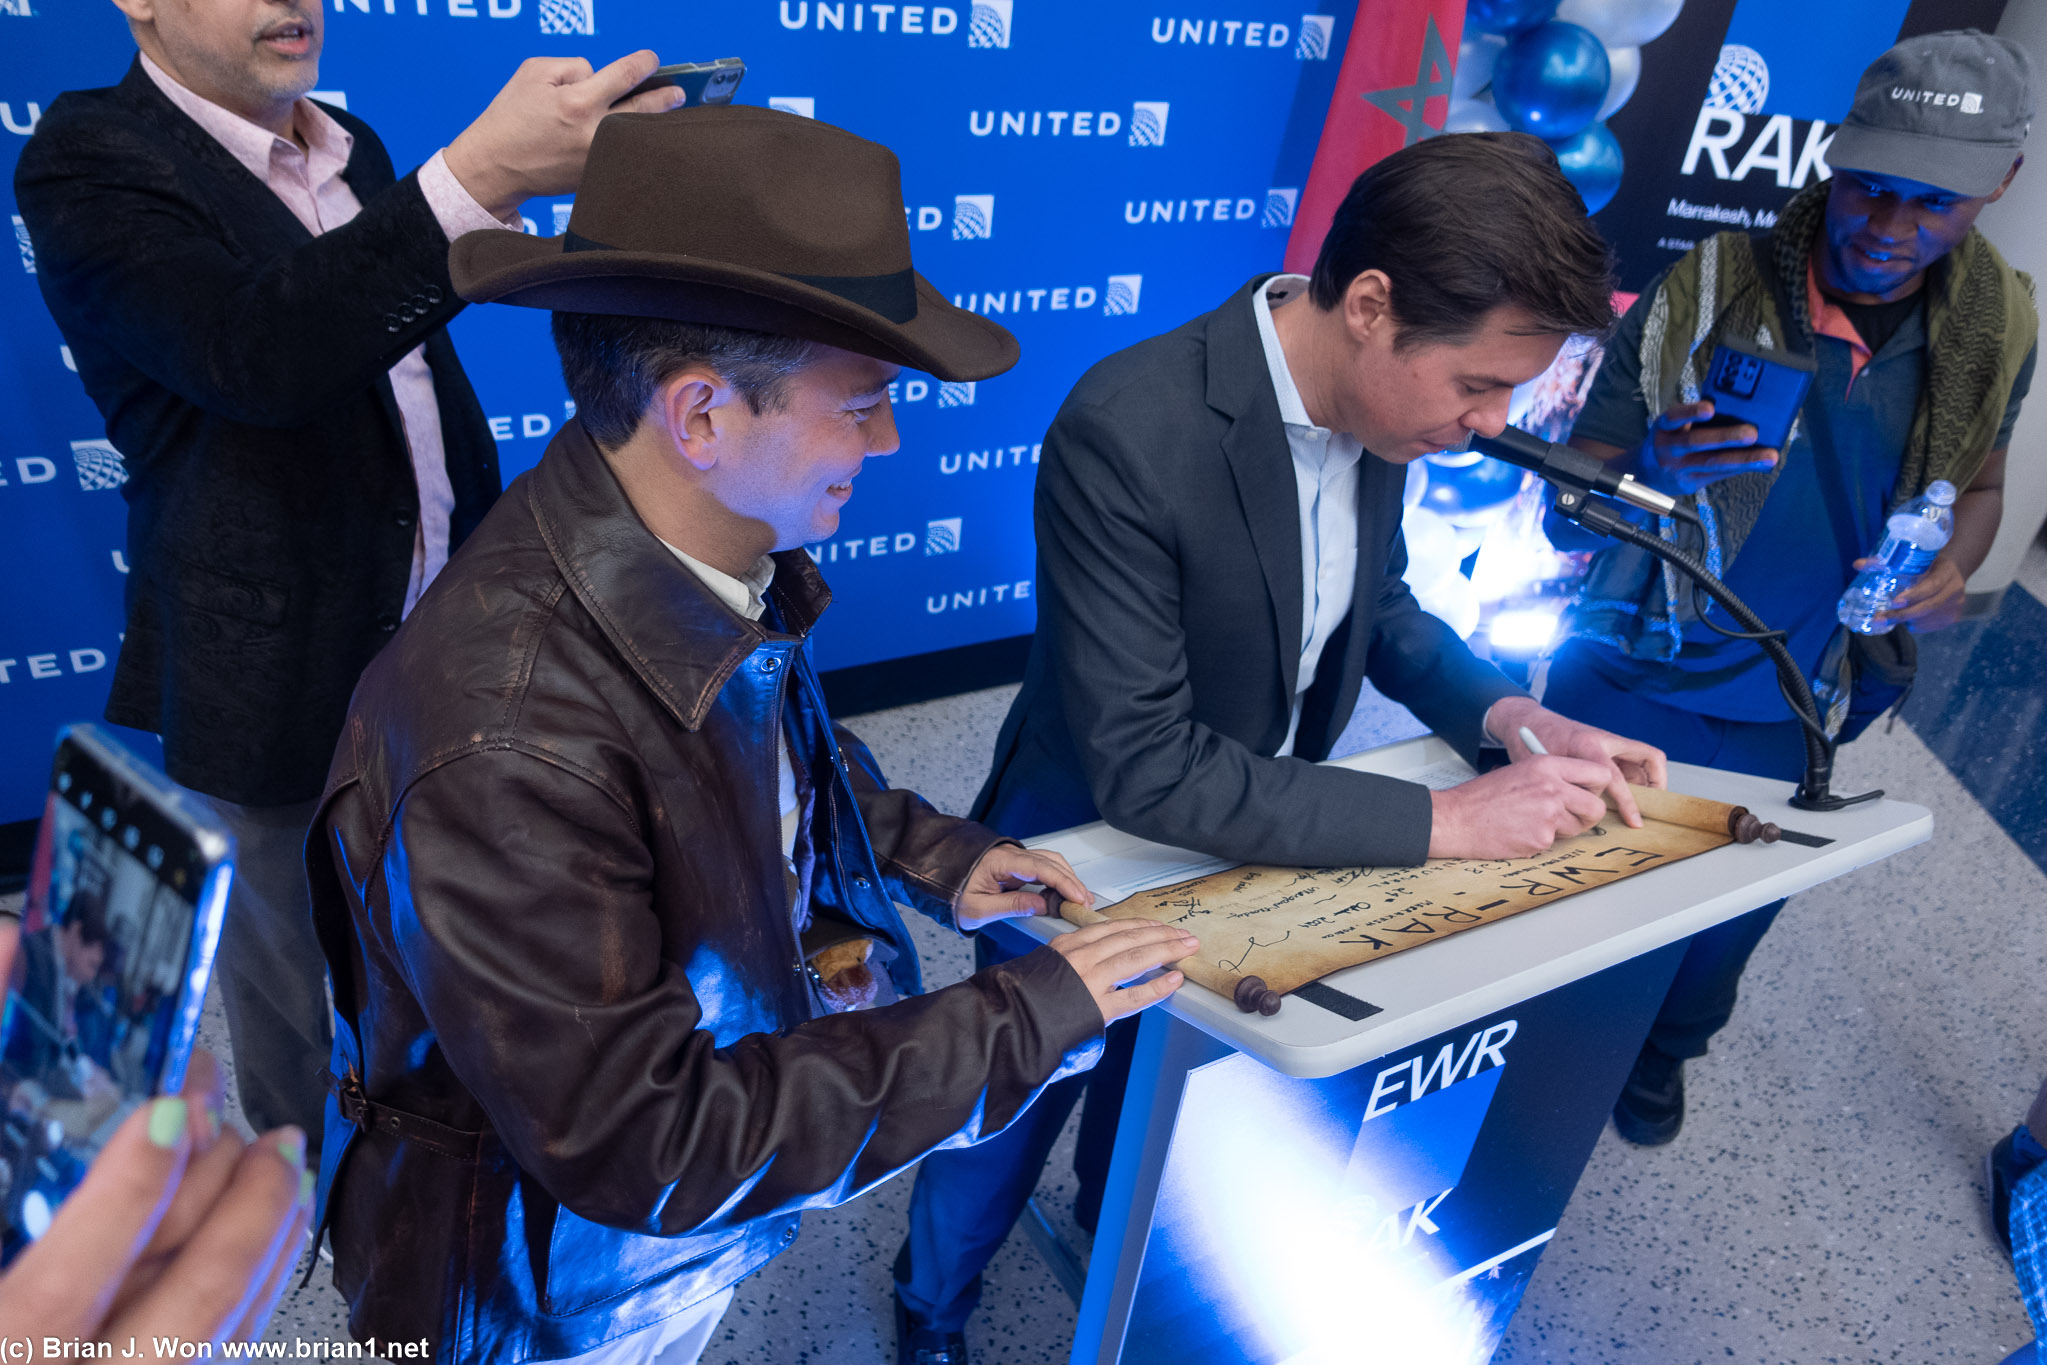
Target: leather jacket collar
{"points": [[674, 633]]}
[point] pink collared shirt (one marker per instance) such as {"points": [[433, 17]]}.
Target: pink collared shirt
{"points": [[309, 182]]}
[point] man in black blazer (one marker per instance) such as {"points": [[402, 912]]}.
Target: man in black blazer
{"points": [[1219, 569], [258, 306]]}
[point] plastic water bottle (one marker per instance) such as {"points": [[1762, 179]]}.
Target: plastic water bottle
{"points": [[1915, 534]]}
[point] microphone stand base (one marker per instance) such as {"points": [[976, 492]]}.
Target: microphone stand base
{"points": [[1819, 798]]}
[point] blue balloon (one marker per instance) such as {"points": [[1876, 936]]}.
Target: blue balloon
{"points": [[1506, 16], [1592, 161], [1458, 489], [1551, 80]]}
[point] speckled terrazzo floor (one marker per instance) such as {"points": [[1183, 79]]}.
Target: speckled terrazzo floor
{"points": [[1823, 1204]]}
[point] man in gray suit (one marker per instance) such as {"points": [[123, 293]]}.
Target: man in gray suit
{"points": [[1219, 569]]}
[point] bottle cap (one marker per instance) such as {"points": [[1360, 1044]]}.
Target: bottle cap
{"points": [[1940, 493]]}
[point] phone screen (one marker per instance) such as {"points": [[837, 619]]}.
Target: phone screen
{"points": [[117, 940]]}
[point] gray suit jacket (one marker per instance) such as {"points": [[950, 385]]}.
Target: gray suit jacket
{"points": [[1169, 625]]}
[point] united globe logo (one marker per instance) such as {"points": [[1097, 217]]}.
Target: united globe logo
{"points": [[956, 395], [1279, 208], [1122, 296], [1148, 123], [942, 535], [988, 26], [568, 16], [973, 217], [28, 249], [100, 466], [1316, 31], [1741, 80], [803, 106], [17, 8]]}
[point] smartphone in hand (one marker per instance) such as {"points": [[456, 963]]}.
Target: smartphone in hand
{"points": [[118, 933], [704, 82], [1760, 387]]}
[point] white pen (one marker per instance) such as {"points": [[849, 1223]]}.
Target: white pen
{"points": [[1530, 742]]}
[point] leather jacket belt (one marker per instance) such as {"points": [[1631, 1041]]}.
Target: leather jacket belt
{"points": [[369, 1116]]}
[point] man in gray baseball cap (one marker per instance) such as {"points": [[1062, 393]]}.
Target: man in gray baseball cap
{"points": [[1945, 109], [1924, 342]]}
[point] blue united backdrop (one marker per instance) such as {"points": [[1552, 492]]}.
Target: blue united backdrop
{"points": [[1089, 174]]}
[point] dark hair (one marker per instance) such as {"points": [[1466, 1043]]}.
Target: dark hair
{"points": [[1466, 223], [613, 365], [88, 915]]}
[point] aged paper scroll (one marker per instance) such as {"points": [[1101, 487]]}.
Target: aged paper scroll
{"points": [[1293, 925]]}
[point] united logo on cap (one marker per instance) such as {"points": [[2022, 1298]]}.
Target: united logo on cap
{"points": [[1947, 109]]}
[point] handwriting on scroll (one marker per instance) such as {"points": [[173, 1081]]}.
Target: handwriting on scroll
{"points": [[1248, 914]]}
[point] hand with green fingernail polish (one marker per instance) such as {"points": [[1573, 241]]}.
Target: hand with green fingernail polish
{"points": [[167, 1117], [180, 1230]]}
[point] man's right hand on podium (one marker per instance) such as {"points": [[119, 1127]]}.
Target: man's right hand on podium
{"points": [[1520, 810], [1114, 951]]}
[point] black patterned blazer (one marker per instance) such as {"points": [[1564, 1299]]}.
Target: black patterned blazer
{"points": [[240, 364]]}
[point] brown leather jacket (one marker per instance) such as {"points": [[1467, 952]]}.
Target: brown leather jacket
{"points": [[584, 1087]]}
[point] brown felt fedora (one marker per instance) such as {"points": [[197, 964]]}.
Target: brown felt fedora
{"points": [[743, 217]]}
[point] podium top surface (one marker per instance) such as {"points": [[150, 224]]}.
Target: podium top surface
{"points": [[1435, 987]]}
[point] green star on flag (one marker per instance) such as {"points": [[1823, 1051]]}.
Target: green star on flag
{"points": [[1406, 103]]}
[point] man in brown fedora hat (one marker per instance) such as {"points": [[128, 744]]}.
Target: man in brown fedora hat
{"points": [[600, 883]]}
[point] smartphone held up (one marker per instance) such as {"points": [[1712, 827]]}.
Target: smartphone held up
{"points": [[702, 82], [118, 934]]}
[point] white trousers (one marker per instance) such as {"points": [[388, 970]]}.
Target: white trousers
{"points": [[673, 1341]]}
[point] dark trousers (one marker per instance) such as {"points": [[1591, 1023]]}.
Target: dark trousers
{"points": [[272, 974], [967, 1199], [1702, 996]]}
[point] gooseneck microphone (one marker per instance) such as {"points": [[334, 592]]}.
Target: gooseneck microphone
{"points": [[1575, 470], [1576, 477]]}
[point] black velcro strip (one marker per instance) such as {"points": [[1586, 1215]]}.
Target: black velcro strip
{"points": [[1792, 836], [1336, 1002]]}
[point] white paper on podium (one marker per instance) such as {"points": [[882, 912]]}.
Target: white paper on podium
{"points": [[1437, 777], [1114, 876], [1115, 865]]}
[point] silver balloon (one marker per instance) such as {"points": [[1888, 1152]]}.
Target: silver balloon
{"points": [[1475, 115], [1621, 23], [1626, 63], [1475, 58]]}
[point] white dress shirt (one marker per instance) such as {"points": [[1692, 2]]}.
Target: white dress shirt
{"points": [[1326, 484], [308, 180]]}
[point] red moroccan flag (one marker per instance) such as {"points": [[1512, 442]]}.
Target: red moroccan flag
{"points": [[1394, 89]]}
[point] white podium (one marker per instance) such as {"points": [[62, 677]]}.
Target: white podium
{"points": [[1370, 1174]]}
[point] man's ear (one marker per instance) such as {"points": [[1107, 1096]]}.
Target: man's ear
{"points": [[1368, 305], [138, 11], [2005, 184], [691, 407]]}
